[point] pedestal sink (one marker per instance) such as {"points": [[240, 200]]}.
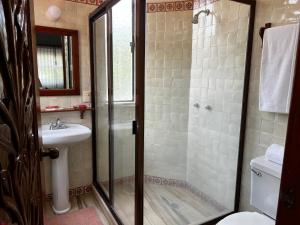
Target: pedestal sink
{"points": [[60, 139]]}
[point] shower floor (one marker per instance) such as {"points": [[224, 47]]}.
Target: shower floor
{"points": [[165, 205]]}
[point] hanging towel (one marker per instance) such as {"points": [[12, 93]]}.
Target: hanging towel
{"points": [[275, 153], [278, 68]]}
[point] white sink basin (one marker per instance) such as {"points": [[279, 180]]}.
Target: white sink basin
{"points": [[73, 133], [60, 173]]}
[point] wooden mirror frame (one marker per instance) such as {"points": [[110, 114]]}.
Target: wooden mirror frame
{"points": [[75, 61]]}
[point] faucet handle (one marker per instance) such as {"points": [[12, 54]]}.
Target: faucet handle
{"points": [[58, 122]]}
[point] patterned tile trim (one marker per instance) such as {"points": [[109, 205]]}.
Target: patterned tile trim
{"points": [[184, 5], [164, 181], [76, 191], [153, 7], [88, 2]]}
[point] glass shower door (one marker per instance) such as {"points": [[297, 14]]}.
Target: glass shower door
{"points": [[123, 104], [115, 105], [101, 105]]}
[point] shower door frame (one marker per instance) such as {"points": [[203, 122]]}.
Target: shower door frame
{"points": [[101, 11], [138, 14], [252, 4]]}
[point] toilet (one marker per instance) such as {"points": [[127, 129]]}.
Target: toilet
{"points": [[265, 185]]}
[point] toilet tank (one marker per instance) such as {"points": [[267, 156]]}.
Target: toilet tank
{"points": [[265, 185]]}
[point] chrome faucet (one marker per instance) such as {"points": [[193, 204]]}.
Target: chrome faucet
{"points": [[57, 125]]}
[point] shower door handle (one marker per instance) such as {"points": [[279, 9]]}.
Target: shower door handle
{"points": [[134, 127]]}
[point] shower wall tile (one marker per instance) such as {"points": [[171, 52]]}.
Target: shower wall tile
{"points": [[168, 62], [264, 128], [218, 63], [215, 77]]}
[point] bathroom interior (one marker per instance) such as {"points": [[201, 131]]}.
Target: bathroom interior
{"points": [[209, 132]]}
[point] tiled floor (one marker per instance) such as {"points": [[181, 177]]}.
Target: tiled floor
{"points": [[165, 205], [77, 203]]}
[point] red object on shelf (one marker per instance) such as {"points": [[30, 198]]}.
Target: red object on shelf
{"points": [[82, 107]]}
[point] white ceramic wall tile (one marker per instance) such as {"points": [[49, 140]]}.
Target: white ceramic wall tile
{"points": [[213, 134], [168, 48]]}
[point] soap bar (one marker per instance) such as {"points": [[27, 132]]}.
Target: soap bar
{"points": [[81, 107]]}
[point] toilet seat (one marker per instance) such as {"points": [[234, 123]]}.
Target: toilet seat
{"points": [[247, 218]]}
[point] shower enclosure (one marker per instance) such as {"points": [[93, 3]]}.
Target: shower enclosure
{"points": [[170, 97]]}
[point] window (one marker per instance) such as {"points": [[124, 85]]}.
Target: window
{"points": [[123, 80], [50, 67]]}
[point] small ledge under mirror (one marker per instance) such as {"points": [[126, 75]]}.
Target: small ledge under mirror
{"points": [[74, 109], [58, 61]]}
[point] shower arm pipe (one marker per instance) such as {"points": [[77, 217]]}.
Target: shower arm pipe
{"points": [[205, 11], [196, 16]]}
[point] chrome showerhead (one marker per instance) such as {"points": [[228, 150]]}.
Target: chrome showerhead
{"points": [[195, 20], [196, 16]]}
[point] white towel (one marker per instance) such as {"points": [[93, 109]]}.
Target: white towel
{"points": [[275, 153], [278, 68]]}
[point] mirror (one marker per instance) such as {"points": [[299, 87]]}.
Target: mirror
{"points": [[58, 61]]}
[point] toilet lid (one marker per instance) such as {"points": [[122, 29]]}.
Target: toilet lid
{"points": [[247, 218]]}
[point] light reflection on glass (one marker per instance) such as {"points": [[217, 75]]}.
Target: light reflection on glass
{"points": [[292, 2]]}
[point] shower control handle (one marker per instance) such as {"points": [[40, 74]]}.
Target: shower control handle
{"points": [[197, 105], [208, 107]]}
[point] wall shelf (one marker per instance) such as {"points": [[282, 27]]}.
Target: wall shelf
{"points": [[82, 111]]}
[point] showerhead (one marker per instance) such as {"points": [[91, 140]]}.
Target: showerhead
{"points": [[196, 16], [195, 20]]}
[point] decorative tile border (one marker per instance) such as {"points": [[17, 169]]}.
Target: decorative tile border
{"points": [[88, 2], [153, 7], [76, 191], [164, 181], [184, 5]]}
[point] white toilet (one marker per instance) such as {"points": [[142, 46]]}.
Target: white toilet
{"points": [[265, 185]]}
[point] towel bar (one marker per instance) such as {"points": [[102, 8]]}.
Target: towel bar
{"points": [[262, 31]]}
